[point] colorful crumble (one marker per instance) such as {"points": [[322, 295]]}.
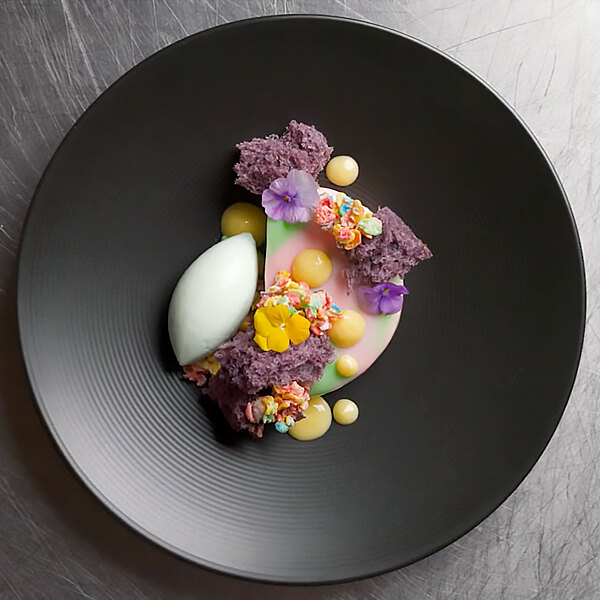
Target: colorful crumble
{"points": [[201, 370], [347, 219], [316, 306], [283, 406]]}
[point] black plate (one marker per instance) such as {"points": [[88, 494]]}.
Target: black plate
{"points": [[455, 412]]}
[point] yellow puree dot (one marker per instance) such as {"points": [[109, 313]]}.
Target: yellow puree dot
{"points": [[242, 217], [346, 365], [348, 330], [342, 170], [345, 412], [312, 266], [316, 423]]}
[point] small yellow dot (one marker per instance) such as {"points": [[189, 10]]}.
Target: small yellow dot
{"points": [[348, 330], [315, 424], [346, 365], [345, 412], [242, 217], [312, 266], [342, 170]]}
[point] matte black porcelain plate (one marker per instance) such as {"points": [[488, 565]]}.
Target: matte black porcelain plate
{"points": [[453, 414]]}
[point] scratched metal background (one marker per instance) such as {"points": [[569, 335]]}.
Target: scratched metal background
{"points": [[56, 542]]}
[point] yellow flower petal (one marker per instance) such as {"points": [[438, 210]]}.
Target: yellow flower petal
{"points": [[297, 328], [262, 323], [278, 340], [278, 315], [261, 342]]}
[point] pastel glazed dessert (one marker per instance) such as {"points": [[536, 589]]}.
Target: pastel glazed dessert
{"points": [[267, 349], [287, 241]]}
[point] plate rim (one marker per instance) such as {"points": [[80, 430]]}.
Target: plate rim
{"points": [[37, 394]]}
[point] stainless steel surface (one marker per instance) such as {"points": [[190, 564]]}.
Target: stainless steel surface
{"points": [[56, 541]]}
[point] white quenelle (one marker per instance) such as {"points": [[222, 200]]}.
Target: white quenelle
{"points": [[212, 298]]}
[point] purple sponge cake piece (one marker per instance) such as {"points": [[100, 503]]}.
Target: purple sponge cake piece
{"points": [[263, 160], [251, 369], [310, 141], [232, 402], [246, 370], [392, 254]]}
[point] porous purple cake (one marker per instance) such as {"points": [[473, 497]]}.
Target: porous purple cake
{"points": [[252, 369], [246, 370], [262, 160], [392, 254], [232, 401]]}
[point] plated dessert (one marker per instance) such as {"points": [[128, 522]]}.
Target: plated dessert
{"points": [[300, 296]]}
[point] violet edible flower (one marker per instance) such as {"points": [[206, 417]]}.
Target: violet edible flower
{"points": [[383, 299], [291, 198]]}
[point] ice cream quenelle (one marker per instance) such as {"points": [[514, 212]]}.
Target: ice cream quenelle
{"points": [[204, 312], [268, 351]]}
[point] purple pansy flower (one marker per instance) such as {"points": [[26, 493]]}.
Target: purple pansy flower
{"points": [[292, 198], [382, 299]]}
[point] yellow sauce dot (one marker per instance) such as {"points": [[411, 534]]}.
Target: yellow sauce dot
{"points": [[242, 217], [312, 266], [348, 330], [346, 365], [342, 170], [345, 412], [316, 423]]}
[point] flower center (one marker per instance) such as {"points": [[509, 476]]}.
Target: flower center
{"points": [[286, 198], [386, 291]]}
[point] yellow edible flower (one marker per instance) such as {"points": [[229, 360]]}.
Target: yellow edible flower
{"points": [[275, 328]]}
